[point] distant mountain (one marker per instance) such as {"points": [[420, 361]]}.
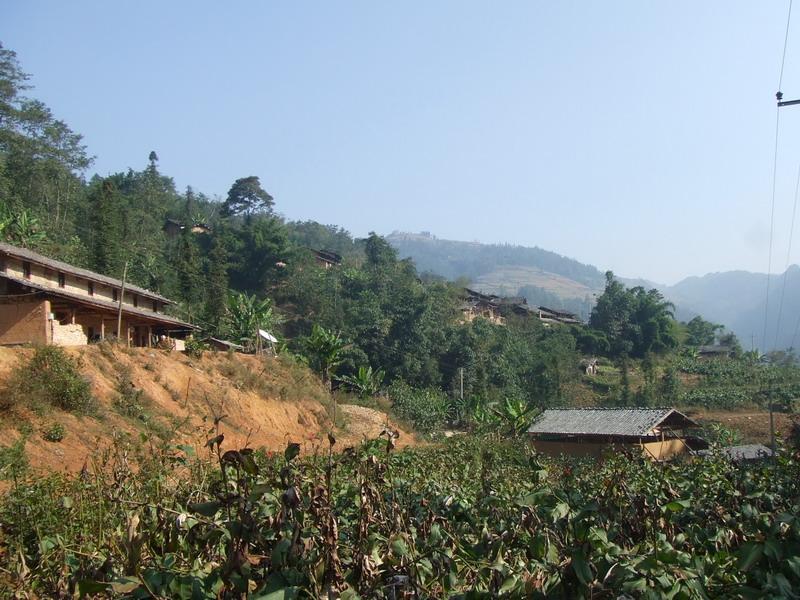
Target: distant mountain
{"points": [[734, 299], [454, 259], [543, 277]]}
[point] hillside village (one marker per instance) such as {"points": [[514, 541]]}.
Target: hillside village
{"points": [[201, 398]]}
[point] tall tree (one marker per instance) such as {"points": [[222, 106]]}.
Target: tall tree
{"points": [[189, 268], [105, 230], [634, 321], [217, 282], [700, 332], [247, 197], [41, 158]]}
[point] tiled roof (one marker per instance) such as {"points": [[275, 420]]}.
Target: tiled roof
{"points": [[57, 265], [606, 421], [105, 304]]}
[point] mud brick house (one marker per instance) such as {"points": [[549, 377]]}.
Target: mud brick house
{"points": [[658, 433], [475, 304], [45, 301]]}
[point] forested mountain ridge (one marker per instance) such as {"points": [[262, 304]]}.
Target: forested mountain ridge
{"points": [[453, 259], [543, 277], [734, 299]]}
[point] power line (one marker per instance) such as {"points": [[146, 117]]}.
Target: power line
{"points": [[771, 223], [788, 257], [785, 44], [778, 95]]}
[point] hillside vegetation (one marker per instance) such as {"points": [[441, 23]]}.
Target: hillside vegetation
{"points": [[735, 299], [224, 475], [472, 518]]}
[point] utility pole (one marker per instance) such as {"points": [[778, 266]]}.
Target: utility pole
{"points": [[461, 373], [121, 296], [771, 427]]}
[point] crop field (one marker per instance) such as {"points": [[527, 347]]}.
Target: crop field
{"points": [[469, 518]]}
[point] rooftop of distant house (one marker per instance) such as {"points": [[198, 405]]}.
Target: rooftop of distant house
{"points": [[626, 422]]}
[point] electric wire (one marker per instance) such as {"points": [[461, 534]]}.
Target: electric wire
{"points": [[785, 44], [788, 259], [775, 174], [771, 224]]}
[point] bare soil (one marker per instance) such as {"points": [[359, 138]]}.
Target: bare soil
{"points": [[753, 426], [263, 402]]}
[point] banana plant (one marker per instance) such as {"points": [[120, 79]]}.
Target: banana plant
{"points": [[515, 413], [365, 382]]}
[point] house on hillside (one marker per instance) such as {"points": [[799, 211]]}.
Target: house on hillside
{"points": [[475, 304], [45, 301], [714, 351], [550, 316], [326, 259], [174, 228], [658, 433], [493, 308]]}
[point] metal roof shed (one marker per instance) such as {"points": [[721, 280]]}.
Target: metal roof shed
{"points": [[591, 431]]}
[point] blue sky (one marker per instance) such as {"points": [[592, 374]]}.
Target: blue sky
{"points": [[635, 136]]}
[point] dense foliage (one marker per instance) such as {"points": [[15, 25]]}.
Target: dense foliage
{"points": [[635, 321], [50, 378], [471, 519]]}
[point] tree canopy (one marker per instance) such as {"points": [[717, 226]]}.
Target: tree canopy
{"points": [[634, 321], [247, 197]]}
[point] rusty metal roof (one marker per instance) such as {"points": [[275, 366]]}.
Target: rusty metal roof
{"points": [[608, 421]]}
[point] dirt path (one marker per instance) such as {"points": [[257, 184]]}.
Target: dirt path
{"points": [[366, 424]]}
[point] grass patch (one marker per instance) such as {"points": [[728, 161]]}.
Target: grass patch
{"points": [[296, 383], [54, 433]]}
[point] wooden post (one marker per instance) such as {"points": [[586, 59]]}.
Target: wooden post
{"points": [[121, 297], [72, 317], [48, 323], [149, 336], [102, 327]]}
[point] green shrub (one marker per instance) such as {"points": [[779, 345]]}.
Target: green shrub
{"points": [[50, 378], [54, 433], [13, 460], [130, 401], [426, 409], [195, 347], [719, 435]]}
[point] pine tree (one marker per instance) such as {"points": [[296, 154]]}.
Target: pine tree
{"points": [[216, 283], [189, 269], [105, 228]]}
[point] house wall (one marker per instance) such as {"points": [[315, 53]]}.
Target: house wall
{"points": [[75, 284], [24, 322], [67, 335], [467, 316], [657, 450]]}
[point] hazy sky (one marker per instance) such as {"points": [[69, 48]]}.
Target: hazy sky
{"points": [[636, 136]]}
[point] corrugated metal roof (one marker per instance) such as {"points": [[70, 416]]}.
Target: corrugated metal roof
{"points": [[57, 265], [603, 421], [745, 452]]}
